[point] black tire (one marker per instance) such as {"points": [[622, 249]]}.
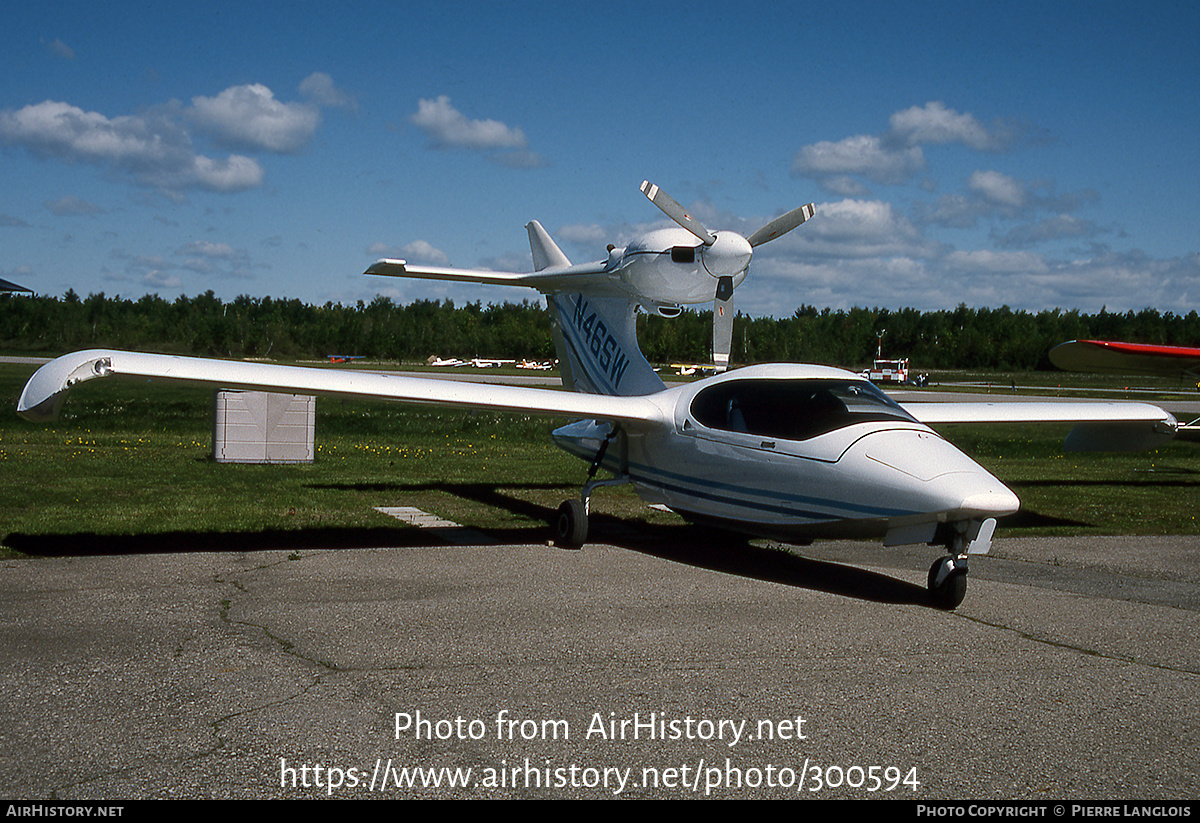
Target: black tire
{"points": [[570, 525], [933, 571], [950, 594]]}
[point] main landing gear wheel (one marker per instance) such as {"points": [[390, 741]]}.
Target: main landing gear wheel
{"points": [[570, 525], [947, 594]]}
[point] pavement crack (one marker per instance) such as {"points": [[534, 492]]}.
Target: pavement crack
{"points": [[1059, 644]]}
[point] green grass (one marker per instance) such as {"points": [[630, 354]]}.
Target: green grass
{"points": [[133, 460], [126, 463]]}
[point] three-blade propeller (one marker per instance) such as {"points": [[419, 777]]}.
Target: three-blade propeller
{"points": [[725, 256]]}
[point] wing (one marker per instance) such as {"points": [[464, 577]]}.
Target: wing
{"points": [[1100, 426], [44, 393], [559, 278], [1126, 358]]}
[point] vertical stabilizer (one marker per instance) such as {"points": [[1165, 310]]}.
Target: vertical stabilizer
{"points": [[546, 252], [596, 339]]}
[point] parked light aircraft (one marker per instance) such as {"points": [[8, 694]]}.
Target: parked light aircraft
{"points": [[1127, 358], [786, 451], [1110, 357]]}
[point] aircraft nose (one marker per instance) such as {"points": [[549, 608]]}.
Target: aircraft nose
{"points": [[935, 476], [995, 502]]}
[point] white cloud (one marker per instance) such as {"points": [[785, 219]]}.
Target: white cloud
{"points": [[418, 251], [161, 280], [319, 88], [999, 189], [1057, 227], [584, 234], [895, 155], [235, 173], [60, 49], [152, 149], [449, 128], [206, 248], [1121, 282], [863, 155], [62, 130], [934, 123], [995, 195], [249, 117], [844, 185], [985, 261], [858, 228]]}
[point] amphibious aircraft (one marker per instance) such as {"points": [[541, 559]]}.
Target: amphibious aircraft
{"points": [[791, 452]]}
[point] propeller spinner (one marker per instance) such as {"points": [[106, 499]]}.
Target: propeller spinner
{"points": [[726, 256]]}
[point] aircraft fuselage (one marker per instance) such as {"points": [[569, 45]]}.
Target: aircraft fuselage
{"points": [[796, 453]]}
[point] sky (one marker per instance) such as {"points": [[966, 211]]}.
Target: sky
{"points": [[1036, 155]]}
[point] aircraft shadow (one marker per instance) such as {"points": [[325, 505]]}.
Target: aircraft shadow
{"points": [[90, 544], [698, 546]]}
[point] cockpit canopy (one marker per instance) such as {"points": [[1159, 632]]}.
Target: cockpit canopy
{"points": [[793, 409]]}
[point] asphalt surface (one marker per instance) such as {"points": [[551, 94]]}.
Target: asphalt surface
{"points": [[665, 666]]}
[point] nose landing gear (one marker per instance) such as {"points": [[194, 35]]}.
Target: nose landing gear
{"points": [[948, 575], [948, 582]]}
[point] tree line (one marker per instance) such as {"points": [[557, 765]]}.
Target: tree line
{"points": [[289, 329]]}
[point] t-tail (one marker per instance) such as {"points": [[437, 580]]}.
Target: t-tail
{"points": [[595, 337]]}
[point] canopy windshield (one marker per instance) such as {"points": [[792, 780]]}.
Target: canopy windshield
{"points": [[793, 409]]}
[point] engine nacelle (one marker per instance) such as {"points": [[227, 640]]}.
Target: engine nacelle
{"points": [[670, 266]]}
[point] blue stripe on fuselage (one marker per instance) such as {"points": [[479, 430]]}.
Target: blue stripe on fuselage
{"points": [[718, 492]]}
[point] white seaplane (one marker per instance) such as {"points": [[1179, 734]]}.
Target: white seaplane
{"points": [[787, 451]]}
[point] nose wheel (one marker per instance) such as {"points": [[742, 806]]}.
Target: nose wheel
{"points": [[948, 575], [948, 582]]}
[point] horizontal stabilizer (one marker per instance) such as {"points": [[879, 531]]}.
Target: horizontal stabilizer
{"points": [[552, 279]]}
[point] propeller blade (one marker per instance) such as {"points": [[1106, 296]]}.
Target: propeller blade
{"points": [[676, 212], [780, 225], [724, 288], [722, 328]]}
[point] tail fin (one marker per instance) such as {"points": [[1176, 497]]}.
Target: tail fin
{"points": [[596, 339], [546, 252]]}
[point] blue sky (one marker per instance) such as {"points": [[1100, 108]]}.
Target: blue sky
{"points": [[1037, 155]]}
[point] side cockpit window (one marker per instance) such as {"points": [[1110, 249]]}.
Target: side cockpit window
{"points": [[792, 409]]}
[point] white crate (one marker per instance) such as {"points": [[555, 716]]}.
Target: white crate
{"points": [[263, 427]]}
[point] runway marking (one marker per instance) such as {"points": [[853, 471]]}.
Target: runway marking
{"points": [[447, 530]]}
